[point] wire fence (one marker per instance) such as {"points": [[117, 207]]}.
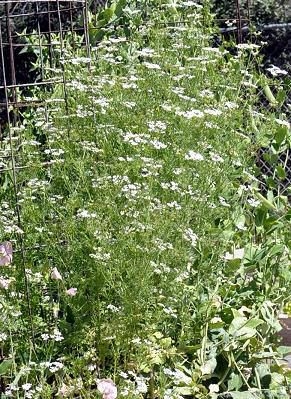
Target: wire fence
{"points": [[275, 39], [34, 37]]}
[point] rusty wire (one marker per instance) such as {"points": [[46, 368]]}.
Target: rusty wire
{"points": [[10, 86]]}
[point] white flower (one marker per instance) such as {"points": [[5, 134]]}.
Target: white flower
{"points": [[213, 112], [158, 145], [146, 52], [194, 156], [141, 386], [72, 291], [174, 205], [179, 377], [54, 152], [215, 157], [84, 214], [190, 236], [80, 60], [156, 126], [248, 46], [213, 388], [191, 4], [237, 254], [254, 203], [107, 388], [283, 123], [57, 335], [129, 104], [55, 366], [55, 274], [223, 202], [129, 85], [149, 65], [27, 386], [113, 308], [230, 105], [193, 113], [275, 71], [3, 337]]}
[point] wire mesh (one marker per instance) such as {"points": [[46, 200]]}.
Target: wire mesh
{"points": [[32, 62], [271, 165]]}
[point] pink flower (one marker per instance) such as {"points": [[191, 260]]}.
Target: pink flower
{"points": [[72, 291], [107, 388], [5, 253], [5, 282], [55, 274], [64, 391]]}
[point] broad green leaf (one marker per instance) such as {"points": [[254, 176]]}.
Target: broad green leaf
{"points": [[281, 96], [145, 367], [106, 15], [260, 216], [240, 221], [281, 134], [270, 157], [5, 366], [253, 323], [284, 350], [235, 382], [237, 323], [281, 172], [101, 23], [24, 50], [269, 316], [271, 183], [278, 378], [276, 250], [216, 325], [119, 7], [241, 330], [244, 395], [244, 333], [237, 314], [263, 372]]}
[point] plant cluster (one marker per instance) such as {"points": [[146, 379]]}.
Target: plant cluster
{"points": [[146, 263]]}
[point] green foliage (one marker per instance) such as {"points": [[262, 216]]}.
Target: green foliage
{"points": [[147, 251], [106, 20], [261, 11]]}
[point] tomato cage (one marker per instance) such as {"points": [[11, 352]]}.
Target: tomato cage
{"points": [[32, 35], [38, 39]]}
